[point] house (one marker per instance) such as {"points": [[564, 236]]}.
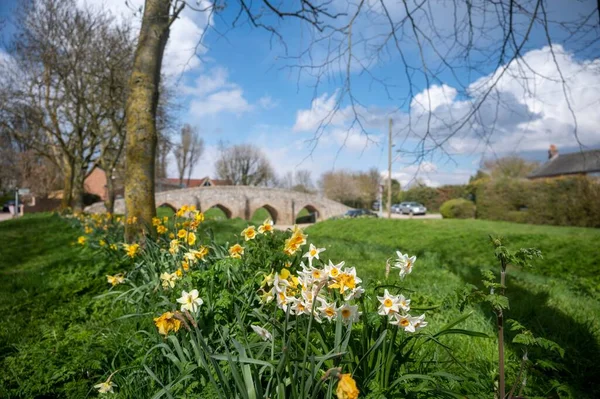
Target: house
{"points": [[95, 183], [580, 163], [204, 182]]}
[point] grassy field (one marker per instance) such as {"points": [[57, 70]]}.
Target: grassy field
{"points": [[55, 339]]}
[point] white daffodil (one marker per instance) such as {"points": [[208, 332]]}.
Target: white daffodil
{"points": [[280, 284], [403, 321], [283, 301], [327, 310], [404, 263], [390, 304], [302, 307], [334, 270], [313, 253], [349, 313], [404, 303], [168, 279], [263, 333], [106, 387], [418, 322], [190, 300], [356, 293]]}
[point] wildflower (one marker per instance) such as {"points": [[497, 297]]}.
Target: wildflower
{"points": [[190, 300], [171, 236], [313, 253], [356, 293], [185, 265], [403, 321], [404, 263], [182, 233], [113, 247], [167, 322], [334, 270], [132, 249], [88, 230], [132, 220], [266, 227], [165, 219], [349, 313], [201, 252], [81, 240], [267, 280], [161, 229], [174, 247], [168, 279], [263, 333], [102, 243], [156, 221], [404, 303], [283, 300], [346, 388], [179, 273], [181, 211], [191, 238], [346, 280], [390, 304], [198, 216], [236, 251], [106, 386], [116, 279], [418, 322], [327, 310], [249, 233], [293, 243]]}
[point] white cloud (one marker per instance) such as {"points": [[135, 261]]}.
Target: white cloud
{"points": [[432, 98], [267, 102], [323, 110], [213, 80], [231, 101]]}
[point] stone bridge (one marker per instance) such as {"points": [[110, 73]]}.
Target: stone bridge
{"points": [[242, 202]]}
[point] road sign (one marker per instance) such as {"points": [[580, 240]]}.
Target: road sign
{"points": [[23, 191]]}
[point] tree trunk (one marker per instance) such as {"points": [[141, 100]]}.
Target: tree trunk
{"points": [[110, 194], [141, 116], [67, 186], [78, 189]]}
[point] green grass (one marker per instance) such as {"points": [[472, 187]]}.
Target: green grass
{"points": [[558, 299], [57, 339]]}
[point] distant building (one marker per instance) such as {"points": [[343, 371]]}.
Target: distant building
{"points": [[581, 163], [95, 183], [204, 182]]}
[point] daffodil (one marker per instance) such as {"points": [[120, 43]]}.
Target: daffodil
{"points": [[161, 229], [102, 243], [190, 300], [334, 270], [349, 313], [356, 293], [106, 386], [236, 251], [81, 240], [263, 333], [418, 322], [346, 280], [327, 310], [168, 279], [201, 252], [404, 263], [114, 247], [174, 247], [167, 322], [346, 388], [389, 304], [116, 279], [249, 233], [266, 227], [191, 238], [313, 253], [132, 249], [156, 222], [403, 321], [404, 303], [182, 233]]}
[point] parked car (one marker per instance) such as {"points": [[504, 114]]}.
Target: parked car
{"points": [[5, 207], [355, 213], [376, 205], [396, 208], [412, 208]]}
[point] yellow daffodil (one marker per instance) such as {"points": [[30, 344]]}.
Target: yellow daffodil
{"points": [[266, 227], [102, 243], [88, 230], [132, 249], [201, 252], [168, 279], [191, 238], [165, 219], [236, 251], [81, 240], [174, 247], [114, 247], [346, 388], [171, 236], [156, 222], [182, 233], [199, 217], [106, 387], [116, 279], [249, 233], [167, 322], [132, 220], [185, 265], [161, 229]]}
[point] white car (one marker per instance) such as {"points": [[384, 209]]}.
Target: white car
{"points": [[411, 208]]}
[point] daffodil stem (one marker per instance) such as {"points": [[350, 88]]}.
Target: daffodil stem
{"points": [[500, 315], [388, 362]]}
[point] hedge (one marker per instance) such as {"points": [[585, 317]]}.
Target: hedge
{"points": [[432, 197], [567, 201], [458, 208]]}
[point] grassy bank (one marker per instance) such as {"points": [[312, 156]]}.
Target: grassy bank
{"points": [[57, 338]]}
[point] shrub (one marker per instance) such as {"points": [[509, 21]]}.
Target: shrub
{"points": [[432, 197], [458, 209]]}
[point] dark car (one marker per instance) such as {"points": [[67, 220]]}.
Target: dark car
{"points": [[7, 204], [355, 213]]}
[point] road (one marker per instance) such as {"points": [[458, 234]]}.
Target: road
{"points": [[5, 216], [394, 216]]}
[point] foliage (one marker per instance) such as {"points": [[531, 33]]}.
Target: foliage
{"points": [[432, 197], [569, 201], [458, 209]]}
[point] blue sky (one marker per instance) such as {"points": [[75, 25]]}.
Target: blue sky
{"points": [[239, 88]]}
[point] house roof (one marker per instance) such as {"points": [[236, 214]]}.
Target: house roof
{"points": [[568, 164], [200, 182]]}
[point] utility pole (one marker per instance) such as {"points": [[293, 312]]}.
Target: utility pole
{"points": [[389, 182]]}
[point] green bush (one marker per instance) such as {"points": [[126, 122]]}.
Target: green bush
{"points": [[570, 201], [458, 208], [432, 197]]}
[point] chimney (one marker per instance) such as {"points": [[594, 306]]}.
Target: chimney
{"points": [[552, 152]]}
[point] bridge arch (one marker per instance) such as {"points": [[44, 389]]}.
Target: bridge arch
{"points": [[273, 214], [310, 215], [222, 207], [169, 209]]}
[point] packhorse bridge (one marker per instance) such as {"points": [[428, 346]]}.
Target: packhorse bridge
{"points": [[242, 201]]}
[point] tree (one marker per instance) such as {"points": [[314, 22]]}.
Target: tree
{"points": [[512, 167], [299, 180], [340, 186], [188, 152], [244, 165]]}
